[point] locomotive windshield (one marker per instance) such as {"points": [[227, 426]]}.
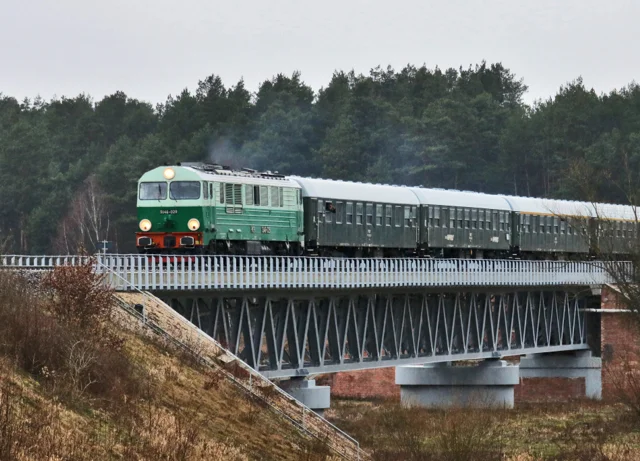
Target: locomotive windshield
{"points": [[153, 190], [184, 190]]}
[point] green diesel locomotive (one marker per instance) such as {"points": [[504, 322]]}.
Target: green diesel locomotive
{"points": [[210, 209]]}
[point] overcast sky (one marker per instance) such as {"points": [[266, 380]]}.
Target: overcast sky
{"points": [[150, 49]]}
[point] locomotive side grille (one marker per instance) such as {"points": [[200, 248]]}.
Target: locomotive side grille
{"points": [[237, 194]]}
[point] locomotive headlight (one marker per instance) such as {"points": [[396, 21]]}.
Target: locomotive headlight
{"points": [[145, 225], [193, 224], [169, 173]]}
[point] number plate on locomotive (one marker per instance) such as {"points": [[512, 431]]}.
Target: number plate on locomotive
{"points": [[168, 211]]}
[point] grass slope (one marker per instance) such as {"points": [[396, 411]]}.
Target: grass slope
{"points": [[79, 383]]}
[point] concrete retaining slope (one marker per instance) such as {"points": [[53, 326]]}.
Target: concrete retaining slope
{"points": [[158, 315]]}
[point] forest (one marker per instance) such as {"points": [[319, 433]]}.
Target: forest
{"points": [[69, 166]]}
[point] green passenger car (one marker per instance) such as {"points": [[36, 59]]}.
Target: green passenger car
{"points": [[463, 224], [201, 208], [551, 227], [355, 219]]}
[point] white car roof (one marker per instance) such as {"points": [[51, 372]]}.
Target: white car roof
{"points": [[621, 212], [546, 206], [235, 177], [446, 197], [355, 191]]}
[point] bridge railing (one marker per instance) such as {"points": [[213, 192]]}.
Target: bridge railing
{"points": [[40, 262], [246, 272]]}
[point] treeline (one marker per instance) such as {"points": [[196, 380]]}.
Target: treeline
{"points": [[68, 166]]}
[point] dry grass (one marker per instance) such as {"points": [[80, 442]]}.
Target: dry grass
{"points": [[76, 387], [579, 431]]}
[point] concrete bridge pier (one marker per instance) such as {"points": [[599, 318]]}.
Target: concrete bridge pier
{"points": [[318, 398], [441, 385], [577, 364]]}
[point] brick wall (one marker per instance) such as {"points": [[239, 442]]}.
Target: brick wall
{"points": [[366, 384], [549, 389], [380, 384], [620, 346]]}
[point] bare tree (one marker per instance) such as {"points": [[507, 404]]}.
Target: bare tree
{"points": [[87, 221]]}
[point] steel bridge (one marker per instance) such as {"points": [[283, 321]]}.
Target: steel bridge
{"points": [[288, 316]]}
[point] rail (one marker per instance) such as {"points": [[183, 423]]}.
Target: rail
{"points": [[266, 272]]}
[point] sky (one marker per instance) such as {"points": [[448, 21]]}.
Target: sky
{"points": [[150, 49]]}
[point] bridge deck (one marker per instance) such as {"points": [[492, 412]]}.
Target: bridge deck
{"points": [[127, 272]]}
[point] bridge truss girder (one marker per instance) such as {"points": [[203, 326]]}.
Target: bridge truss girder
{"points": [[299, 334]]}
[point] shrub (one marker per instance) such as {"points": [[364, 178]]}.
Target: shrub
{"points": [[60, 332]]}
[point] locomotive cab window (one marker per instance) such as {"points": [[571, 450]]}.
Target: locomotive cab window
{"points": [[153, 190], [184, 190], [205, 191]]}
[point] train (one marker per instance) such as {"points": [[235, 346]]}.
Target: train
{"points": [[201, 208]]}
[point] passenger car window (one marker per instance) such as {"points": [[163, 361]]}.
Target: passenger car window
{"points": [[378, 215], [369, 214], [349, 213], [359, 209]]}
